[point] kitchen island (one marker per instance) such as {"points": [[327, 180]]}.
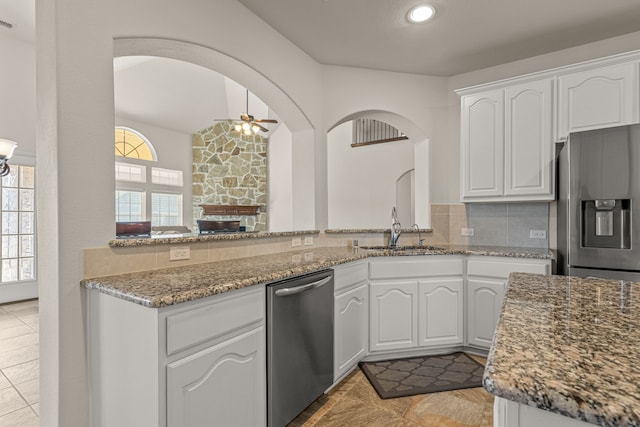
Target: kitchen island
{"points": [[566, 353]]}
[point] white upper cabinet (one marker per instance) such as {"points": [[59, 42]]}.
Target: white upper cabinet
{"points": [[598, 98], [507, 143], [508, 128], [528, 140], [482, 136]]}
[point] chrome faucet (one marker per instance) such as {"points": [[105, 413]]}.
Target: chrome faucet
{"points": [[395, 229], [420, 240]]}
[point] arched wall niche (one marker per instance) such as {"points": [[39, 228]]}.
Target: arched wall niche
{"points": [[362, 181], [299, 213]]}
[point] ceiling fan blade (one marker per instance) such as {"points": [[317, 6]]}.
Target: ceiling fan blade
{"points": [[266, 121], [262, 128]]}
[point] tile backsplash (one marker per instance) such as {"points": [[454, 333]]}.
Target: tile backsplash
{"points": [[500, 224]]}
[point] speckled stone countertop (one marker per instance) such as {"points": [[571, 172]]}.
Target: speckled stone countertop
{"points": [[570, 346], [159, 288]]}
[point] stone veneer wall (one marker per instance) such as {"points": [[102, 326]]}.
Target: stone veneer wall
{"points": [[230, 169]]}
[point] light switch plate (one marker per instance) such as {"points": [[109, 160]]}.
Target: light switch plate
{"points": [[295, 242], [308, 240], [177, 253]]}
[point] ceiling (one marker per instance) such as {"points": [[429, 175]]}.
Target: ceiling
{"points": [[179, 95], [465, 35]]}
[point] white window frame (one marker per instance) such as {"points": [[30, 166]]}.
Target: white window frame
{"points": [[180, 219], [23, 288]]}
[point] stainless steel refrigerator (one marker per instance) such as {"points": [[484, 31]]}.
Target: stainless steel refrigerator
{"points": [[599, 204]]}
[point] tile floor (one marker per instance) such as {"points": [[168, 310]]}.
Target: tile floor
{"points": [[355, 403], [19, 364]]}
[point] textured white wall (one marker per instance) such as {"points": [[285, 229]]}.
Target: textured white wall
{"points": [[362, 181], [18, 89]]}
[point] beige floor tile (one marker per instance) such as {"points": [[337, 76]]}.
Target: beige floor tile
{"points": [[4, 382], [10, 321], [10, 400], [355, 403], [15, 331], [24, 417], [23, 372], [30, 391], [32, 320], [449, 406], [17, 356], [19, 341]]}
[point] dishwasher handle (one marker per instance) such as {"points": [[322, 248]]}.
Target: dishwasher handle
{"points": [[298, 289]]}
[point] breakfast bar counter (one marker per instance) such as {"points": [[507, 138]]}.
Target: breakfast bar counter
{"points": [[566, 346]]}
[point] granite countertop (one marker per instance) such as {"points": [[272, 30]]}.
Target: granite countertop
{"points": [[159, 288], [570, 346]]}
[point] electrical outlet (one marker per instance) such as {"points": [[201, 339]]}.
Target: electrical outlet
{"points": [[537, 234], [308, 240], [308, 256], [295, 242], [179, 252], [467, 232]]}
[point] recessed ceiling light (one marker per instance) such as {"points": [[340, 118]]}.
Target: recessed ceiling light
{"points": [[420, 13]]}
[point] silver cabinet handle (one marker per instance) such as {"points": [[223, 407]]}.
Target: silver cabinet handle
{"points": [[296, 290]]}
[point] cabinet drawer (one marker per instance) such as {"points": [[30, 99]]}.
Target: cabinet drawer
{"points": [[416, 267], [502, 269], [348, 275], [215, 319]]}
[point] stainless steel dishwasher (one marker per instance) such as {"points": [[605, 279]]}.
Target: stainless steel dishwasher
{"points": [[299, 344]]}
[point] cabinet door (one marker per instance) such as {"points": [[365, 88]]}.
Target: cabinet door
{"points": [[484, 302], [603, 97], [394, 315], [528, 141], [224, 384], [482, 145], [351, 329], [440, 311]]}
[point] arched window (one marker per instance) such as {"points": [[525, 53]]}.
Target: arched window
{"points": [[145, 192], [133, 145]]}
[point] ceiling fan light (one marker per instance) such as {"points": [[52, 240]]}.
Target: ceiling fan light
{"points": [[247, 132], [246, 127], [238, 127], [255, 129]]}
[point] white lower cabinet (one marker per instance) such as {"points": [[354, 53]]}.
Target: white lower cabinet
{"points": [[507, 413], [351, 328], [486, 285], [416, 302], [211, 384], [199, 363], [394, 315], [351, 316], [440, 312], [484, 301]]}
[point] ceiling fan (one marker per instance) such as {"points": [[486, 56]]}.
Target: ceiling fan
{"points": [[248, 124]]}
